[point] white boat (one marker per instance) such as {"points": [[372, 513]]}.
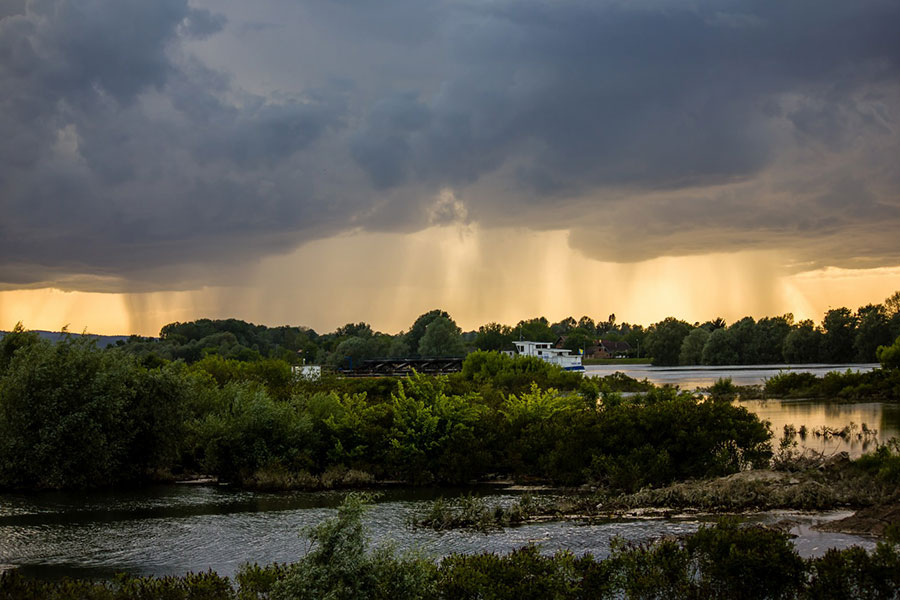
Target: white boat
{"points": [[555, 356]]}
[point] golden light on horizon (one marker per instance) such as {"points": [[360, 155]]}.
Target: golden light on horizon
{"points": [[478, 276]]}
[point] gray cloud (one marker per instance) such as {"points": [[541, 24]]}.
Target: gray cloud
{"points": [[140, 140]]}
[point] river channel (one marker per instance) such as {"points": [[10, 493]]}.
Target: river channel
{"points": [[177, 528]]}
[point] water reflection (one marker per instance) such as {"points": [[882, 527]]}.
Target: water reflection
{"points": [[689, 378], [884, 418]]}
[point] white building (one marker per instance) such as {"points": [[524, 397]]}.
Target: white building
{"points": [[546, 351]]}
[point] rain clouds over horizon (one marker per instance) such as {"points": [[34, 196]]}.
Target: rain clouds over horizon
{"points": [[164, 144]]}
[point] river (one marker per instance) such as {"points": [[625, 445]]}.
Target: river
{"points": [[173, 529]]}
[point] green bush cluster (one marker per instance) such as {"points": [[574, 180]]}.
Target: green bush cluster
{"points": [[725, 560], [848, 386], [73, 415]]}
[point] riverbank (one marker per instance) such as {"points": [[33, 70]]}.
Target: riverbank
{"points": [[808, 482]]}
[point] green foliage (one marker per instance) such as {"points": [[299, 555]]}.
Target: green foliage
{"points": [[664, 340], [889, 356], [516, 374], [802, 343], [855, 573], [790, 383], [721, 348], [536, 330], [520, 575], [872, 332], [434, 435], [849, 386], [723, 389], [736, 562], [339, 567], [414, 337], [494, 336], [692, 347], [248, 430], [883, 462], [657, 570], [274, 374], [839, 325], [13, 341], [441, 338], [72, 415]]}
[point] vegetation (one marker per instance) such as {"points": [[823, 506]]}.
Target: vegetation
{"points": [[877, 385], [75, 416], [725, 560]]}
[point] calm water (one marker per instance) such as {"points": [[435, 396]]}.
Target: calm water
{"points": [[689, 378], [173, 529]]}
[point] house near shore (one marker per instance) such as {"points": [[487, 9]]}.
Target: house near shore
{"points": [[609, 349]]}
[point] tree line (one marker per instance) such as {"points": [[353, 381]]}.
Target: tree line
{"points": [[842, 336]]}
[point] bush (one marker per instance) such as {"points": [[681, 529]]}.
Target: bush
{"points": [[72, 415], [740, 562], [788, 383], [883, 462], [339, 566], [889, 356]]}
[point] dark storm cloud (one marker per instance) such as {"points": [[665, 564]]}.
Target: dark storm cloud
{"points": [[610, 94], [691, 127], [119, 155]]}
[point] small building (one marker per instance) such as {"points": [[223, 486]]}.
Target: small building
{"points": [[608, 349]]}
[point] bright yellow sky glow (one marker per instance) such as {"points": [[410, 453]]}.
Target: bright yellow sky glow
{"points": [[477, 275]]}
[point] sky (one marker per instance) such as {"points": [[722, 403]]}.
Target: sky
{"points": [[319, 162]]}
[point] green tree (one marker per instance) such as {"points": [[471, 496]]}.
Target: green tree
{"points": [[889, 356], [892, 304], [494, 336], [873, 330], [769, 336], [579, 339], [564, 326], [535, 330], [415, 333], [721, 348], [801, 345], [743, 339], [664, 340], [692, 347], [636, 338], [13, 341], [840, 330], [442, 338], [587, 324], [72, 415]]}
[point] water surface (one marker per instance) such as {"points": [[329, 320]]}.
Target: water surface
{"points": [[689, 378], [175, 529]]}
